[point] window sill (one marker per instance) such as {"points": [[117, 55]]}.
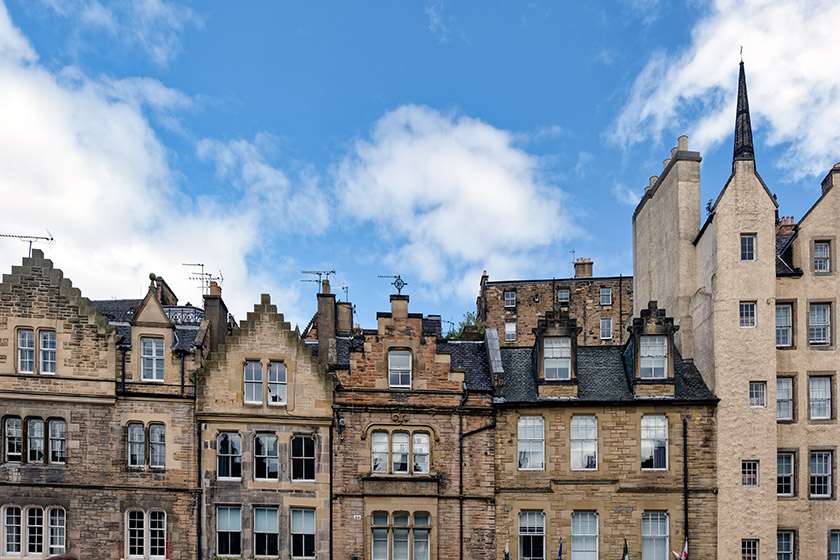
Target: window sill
{"points": [[161, 381], [785, 421], [820, 498], [303, 481], [655, 470], [786, 347], [228, 479], [419, 477], [821, 347]]}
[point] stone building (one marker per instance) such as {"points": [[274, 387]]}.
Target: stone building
{"points": [[264, 415], [413, 444], [603, 306], [603, 443], [98, 439], [754, 297]]}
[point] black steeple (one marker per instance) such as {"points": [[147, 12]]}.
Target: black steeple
{"points": [[743, 129]]}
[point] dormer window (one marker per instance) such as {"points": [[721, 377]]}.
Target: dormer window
{"points": [[399, 369], [151, 359], [654, 357], [558, 358]]}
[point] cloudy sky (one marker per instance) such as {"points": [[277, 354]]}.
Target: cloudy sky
{"points": [[430, 139]]}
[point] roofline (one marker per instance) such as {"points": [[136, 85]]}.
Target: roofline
{"points": [[556, 280], [609, 402]]}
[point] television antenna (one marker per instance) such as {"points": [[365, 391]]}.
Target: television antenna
{"points": [[346, 290], [398, 283], [31, 239], [203, 278], [320, 273]]}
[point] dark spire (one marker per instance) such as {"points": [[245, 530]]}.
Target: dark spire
{"points": [[743, 129]]}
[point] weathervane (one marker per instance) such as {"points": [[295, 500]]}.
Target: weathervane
{"points": [[398, 283], [31, 239]]}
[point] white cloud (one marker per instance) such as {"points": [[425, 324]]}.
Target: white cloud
{"points": [[152, 25], [451, 194], [790, 50], [626, 195], [438, 21], [79, 157]]}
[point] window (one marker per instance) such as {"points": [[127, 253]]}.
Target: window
{"points": [[34, 531], [819, 324], [749, 549], [228, 531], [510, 298], [13, 523], [563, 295], [399, 369], [229, 455], [606, 296], [531, 443], [758, 394], [655, 535], [266, 532], [157, 446], [606, 328], [303, 458], [14, 440], [276, 383], [58, 531], [747, 247], [654, 357], [510, 331], [136, 534], [47, 364], [558, 358], [834, 546], [394, 537], [151, 359], [820, 474], [820, 398], [749, 473], [26, 351], [784, 545], [654, 442], [531, 535], [822, 258], [784, 474], [303, 533], [746, 310], [253, 382], [136, 445], [403, 446], [35, 437], [58, 441], [266, 458], [420, 452], [784, 325], [784, 398], [584, 440], [157, 534], [399, 452], [379, 452], [585, 536]]}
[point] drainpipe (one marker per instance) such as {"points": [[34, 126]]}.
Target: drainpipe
{"points": [[122, 351], [461, 436], [199, 496], [685, 474], [620, 302], [331, 485], [182, 374]]}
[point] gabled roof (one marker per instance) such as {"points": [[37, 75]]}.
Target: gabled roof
{"points": [[472, 357]]}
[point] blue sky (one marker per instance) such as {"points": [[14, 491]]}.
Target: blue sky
{"points": [[429, 139]]}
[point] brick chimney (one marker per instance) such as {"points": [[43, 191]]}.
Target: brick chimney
{"points": [[583, 268], [327, 354], [216, 312], [832, 179]]}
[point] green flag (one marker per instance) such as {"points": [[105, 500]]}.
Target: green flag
{"points": [[626, 555]]}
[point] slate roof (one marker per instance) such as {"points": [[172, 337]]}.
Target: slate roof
{"points": [[472, 357], [602, 374], [120, 311], [784, 264]]}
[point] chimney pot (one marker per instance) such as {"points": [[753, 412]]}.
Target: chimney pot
{"points": [[215, 289], [674, 151], [665, 163], [682, 142]]}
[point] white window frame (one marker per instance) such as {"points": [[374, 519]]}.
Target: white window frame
{"points": [[820, 465], [606, 296], [749, 473], [820, 397], [510, 331], [557, 358], [784, 398], [265, 531], [157, 445], [749, 549], [653, 534], [266, 457], [420, 449], [13, 439], [400, 447], [33, 542], [653, 355], [784, 325], [746, 314], [531, 526], [35, 440], [133, 443], [566, 295], [228, 510], [819, 324], [411, 528], [606, 328], [153, 355], [26, 351], [382, 452], [510, 298], [252, 376], [56, 531], [785, 550], [230, 457], [583, 436], [303, 458], [305, 512], [655, 432], [150, 533], [58, 441], [786, 469], [822, 259], [834, 545], [278, 376], [14, 513], [399, 373], [47, 344], [131, 533], [758, 394], [583, 537], [747, 247], [531, 442]]}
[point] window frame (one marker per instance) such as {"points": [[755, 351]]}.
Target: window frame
{"points": [[133, 443], [557, 349], [276, 532], [749, 547], [567, 292], [384, 533], [266, 458], [583, 442], [19, 533], [643, 439], [791, 390], [510, 333], [400, 371], [156, 448], [382, 451], [509, 297], [790, 553], [574, 536], [253, 385], [62, 447], [45, 353], [303, 458], [228, 532], [605, 294], [790, 476], [829, 475], [535, 531], [829, 401], [748, 253], [648, 361], [57, 531], [758, 394], [156, 360], [284, 384], [31, 439], [826, 260], [815, 340], [785, 327], [231, 457], [530, 451], [834, 543], [292, 532], [10, 436], [21, 349], [749, 473], [747, 314], [654, 519], [607, 330]]}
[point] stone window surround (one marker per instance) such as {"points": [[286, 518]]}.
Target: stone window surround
{"points": [[833, 450], [140, 337], [36, 333], [795, 464], [24, 460], [390, 429], [46, 530], [147, 531], [793, 330], [832, 260], [147, 446], [597, 442], [411, 370], [833, 406], [832, 329], [283, 438], [794, 401], [266, 362], [247, 524], [416, 505]]}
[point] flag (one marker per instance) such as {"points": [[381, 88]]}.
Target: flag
{"points": [[626, 555], [684, 555], [560, 551], [507, 550]]}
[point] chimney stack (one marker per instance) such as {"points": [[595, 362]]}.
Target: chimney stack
{"points": [[583, 268], [399, 306], [832, 179], [327, 353], [216, 312]]}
